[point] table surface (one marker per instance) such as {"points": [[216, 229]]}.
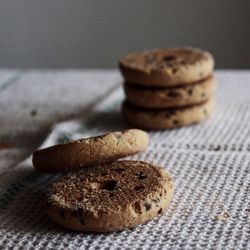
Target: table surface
{"points": [[32, 101]]}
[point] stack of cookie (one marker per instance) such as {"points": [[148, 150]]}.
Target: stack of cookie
{"points": [[168, 88], [104, 195]]}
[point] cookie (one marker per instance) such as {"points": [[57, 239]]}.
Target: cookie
{"points": [[167, 67], [90, 151], [110, 197], [168, 118], [170, 97]]}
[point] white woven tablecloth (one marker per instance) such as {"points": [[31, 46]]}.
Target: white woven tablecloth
{"points": [[210, 162]]}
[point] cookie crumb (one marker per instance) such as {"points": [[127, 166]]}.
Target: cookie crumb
{"points": [[160, 211], [218, 148], [33, 112], [5, 146], [223, 216]]}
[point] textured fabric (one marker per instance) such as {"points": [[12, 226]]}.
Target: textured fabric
{"points": [[210, 164], [31, 101]]}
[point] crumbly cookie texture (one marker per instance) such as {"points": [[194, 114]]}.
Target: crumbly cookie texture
{"points": [[90, 151], [167, 67], [110, 197], [159, 98], [169, 118]]}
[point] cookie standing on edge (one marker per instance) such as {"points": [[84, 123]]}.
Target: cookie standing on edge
{"points": [[110, 197], [159, 98], [167, 67], [95, 150], [169, 118]]}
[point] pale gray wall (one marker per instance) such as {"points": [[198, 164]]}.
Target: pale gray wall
{"points": [[95, 33]]}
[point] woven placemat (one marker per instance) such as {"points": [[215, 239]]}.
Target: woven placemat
{"points": [[210, 164]]}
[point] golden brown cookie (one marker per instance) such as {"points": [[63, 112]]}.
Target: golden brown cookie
{"points": [[158, 98], [168, 118], [95, 150], [167, 67], [110, 197]]}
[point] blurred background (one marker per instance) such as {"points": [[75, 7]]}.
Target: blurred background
{"points": [[96, 33]]}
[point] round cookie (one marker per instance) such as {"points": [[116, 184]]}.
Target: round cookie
{"points": [[170, 97], [169, 118], [167, 67], [95, 150], [110, 197]]}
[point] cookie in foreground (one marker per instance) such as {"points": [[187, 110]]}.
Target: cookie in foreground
{"points": [[110, 197], [86, 152], [167, 118], [167, 67]]}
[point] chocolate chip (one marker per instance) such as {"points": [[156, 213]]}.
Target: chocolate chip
{"points": [[170, 113], [156, 200], [104, 173], [109, 185], [119, 170], [160, 211], [139, 188], [137, 207], [82, 221], [169, 58], [141, 175], [174, 70], [190, 92], [176, 122], [203, 94], [173, 94], [62, 213], [147, 206]]}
